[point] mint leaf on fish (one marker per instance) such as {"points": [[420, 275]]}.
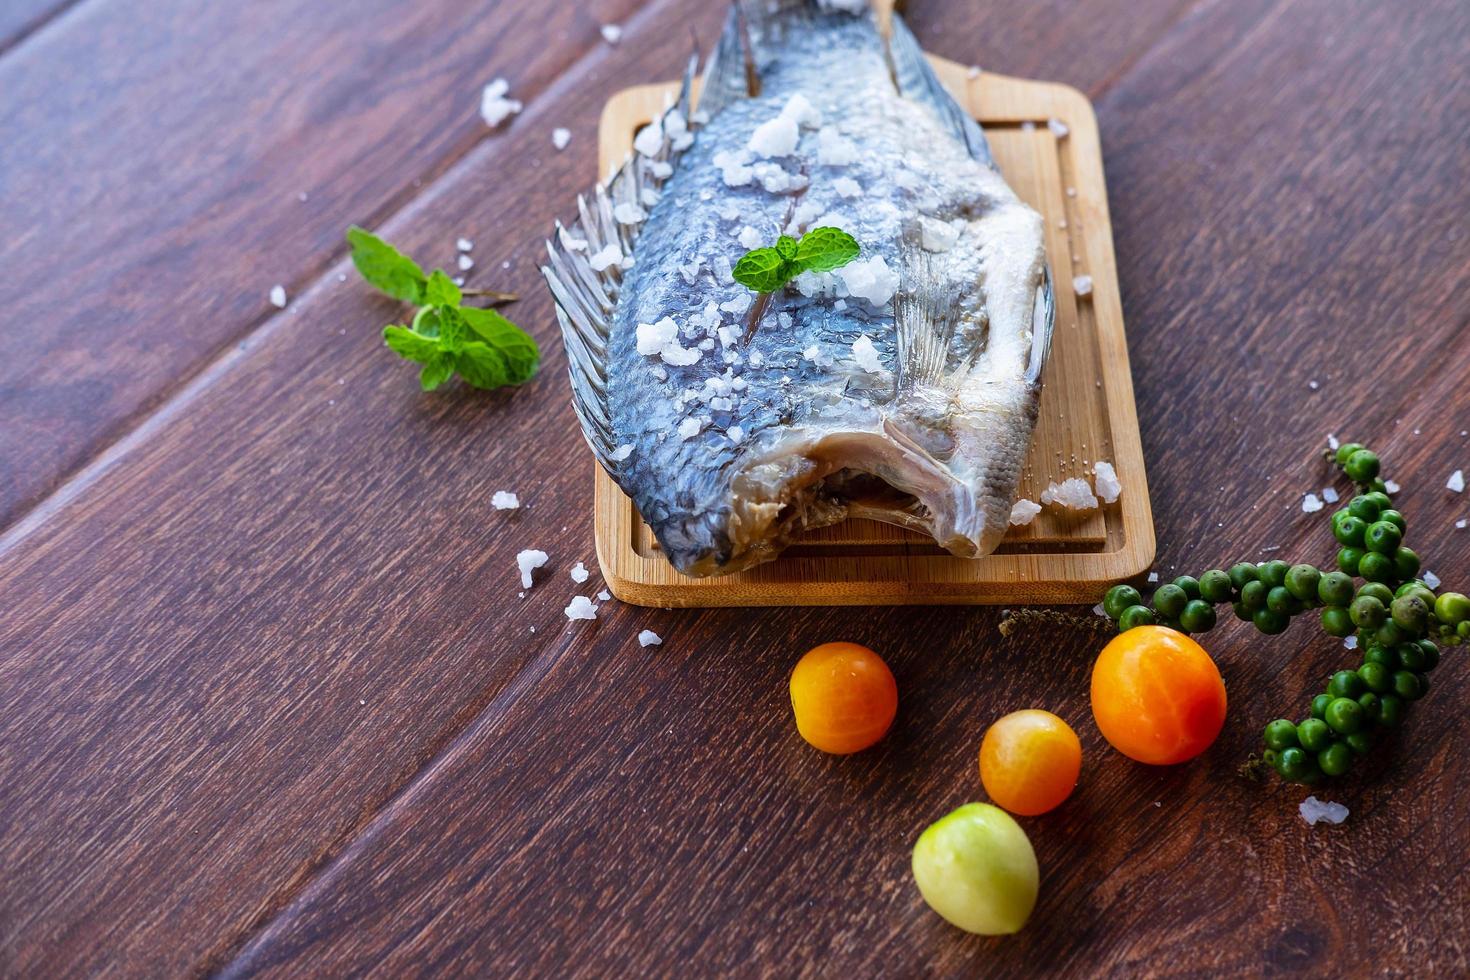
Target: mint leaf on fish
{"points": [[445, 337], [766, 270], [385, 267]]}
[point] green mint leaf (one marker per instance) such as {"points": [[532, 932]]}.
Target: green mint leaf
{"points": [[762, 270], [786, 248], [453, 331], [385, 267], [482, 366], [519, 349], [825, 249], [409, 345], [436, 371], [426, 322], [441, 290]]}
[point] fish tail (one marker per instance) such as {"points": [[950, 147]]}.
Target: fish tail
{"points": [[585, 263]]}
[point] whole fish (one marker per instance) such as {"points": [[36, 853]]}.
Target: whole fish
{"points": [[902, 386]]}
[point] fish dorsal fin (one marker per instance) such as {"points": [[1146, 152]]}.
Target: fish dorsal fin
{"points": [[916, 80], [585, 261]]}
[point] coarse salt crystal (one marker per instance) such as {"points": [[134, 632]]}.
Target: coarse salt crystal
{"points": [[528, 560], [650, 138], [870, 279], [735, 434], [608, 255], [1024, 511], [866, 355], [1430, 579], [1391, 487], [1058, 128], [775, 137], [1311, 503], [1456, 482], [847, 187], [1106, 480], [1350, 642], [604, 596], [1082, 285], [1330, 495], [749, 237], [560, 137], [651, 338], [688, 429], [612, 33], [1314, 810], [1072, 493], [581, 607], [569, 243], [495, 108], [833, 150], [622, 452], [1153, 576], [628, 213], [465, 262], [937, 236], [278, 297], [648, 638], [464, 245], [579, 573], [504, 500], [1462, 523]]}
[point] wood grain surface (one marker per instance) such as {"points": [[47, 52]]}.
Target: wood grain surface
{"points": [[272, 703]]}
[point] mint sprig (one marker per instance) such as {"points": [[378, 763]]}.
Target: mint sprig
{"points": [[766, 270], [445, 337]]}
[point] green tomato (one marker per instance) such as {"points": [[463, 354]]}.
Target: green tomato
{"points": [[976, 868]]}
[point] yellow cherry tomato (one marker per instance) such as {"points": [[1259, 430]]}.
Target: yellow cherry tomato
{"points": [[844, 697], [1029, 761], [1157, 696], [976, 868]]}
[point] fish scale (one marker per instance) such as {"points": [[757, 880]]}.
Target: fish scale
{"points": [[775, 427]]}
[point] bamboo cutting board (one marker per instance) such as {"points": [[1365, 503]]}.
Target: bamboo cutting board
{"points": [[1087, 408]]}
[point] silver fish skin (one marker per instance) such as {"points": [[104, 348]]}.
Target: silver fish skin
{"points": [[902, 387]]}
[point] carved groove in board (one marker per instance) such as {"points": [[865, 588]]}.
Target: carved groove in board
{"points": [[1087, 410]]}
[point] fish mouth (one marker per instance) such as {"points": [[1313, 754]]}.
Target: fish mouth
{"points": [[954, 485]]}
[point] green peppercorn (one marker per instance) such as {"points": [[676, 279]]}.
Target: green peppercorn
{"points": [[1423, 684], [1119, 598], [1452, 608], [1378, 591], [1362, 466], [1394, 517], [1241, 573], [1410, 613], [1383, 499], [1406, 562], [1313, 734], [1293, 763], [1319, 705], [1431, 654], [1386, 656], [1415, 588], [1270, 622], [1214, 586], [1411, 657], [1349, 531], [1169, 600], [1372, 706], [1391, 710], [1348, 559], [1336, 621], [1135, 616], [1344, 715], [1189, 584], [1242, 612], [1253, 596], [1345, 684], [1364, 508], [1336, 759], [1302, 581], [1335, 589], [1462, 630], [1269, 757], [1376, 567], [1345, 452], [1377, 677], [1273, 572], [1280, 734], [1280, 600], [1367, 612], [1361, 742], [1406, 685], [1198, 616], [1383, 537], [1389, 635]]}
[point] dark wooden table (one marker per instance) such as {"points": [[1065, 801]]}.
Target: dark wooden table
{"points": [[269, 702]]}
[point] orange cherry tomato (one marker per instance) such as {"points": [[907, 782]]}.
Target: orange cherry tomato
{"points": [[1157, 696], [1029, 761], [844, 697]]}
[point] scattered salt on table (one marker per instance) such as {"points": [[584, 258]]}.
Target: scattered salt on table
{"points": [[1430, 579], [278, 297], [1456, 482], [1311, 503], [528, 560], [579, 573], [648, 638], [1391, 486], [1153, 576], [464, 245], [604, 595], [1329, 495], [504, 500], [465, 262], [612, 33], [1024, 511], [581, 607], [495, 108], [1350, 642], [1332, 442], [560, 137], [1314, 810]]}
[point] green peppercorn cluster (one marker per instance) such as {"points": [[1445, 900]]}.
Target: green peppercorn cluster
{"points": [[1400, 623]]}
